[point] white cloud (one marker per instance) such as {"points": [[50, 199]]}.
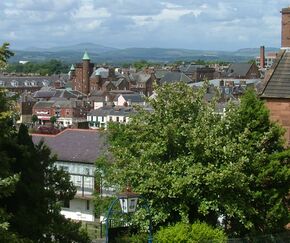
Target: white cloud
{"points": [[203, 24]]}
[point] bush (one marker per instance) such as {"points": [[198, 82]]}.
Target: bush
{"points": [[196, 233]]}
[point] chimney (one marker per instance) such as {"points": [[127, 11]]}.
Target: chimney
{"points": [[285, 28], [262, 57]]}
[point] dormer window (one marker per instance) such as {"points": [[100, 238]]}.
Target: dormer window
{"points": [[2, 83], [26, 83], [33, 83], [14, 83], [45, 83]]}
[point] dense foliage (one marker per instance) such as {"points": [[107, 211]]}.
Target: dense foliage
{"points": [[195, 233], [42, 68], [193, 163], [5, 53], [31, 187]]}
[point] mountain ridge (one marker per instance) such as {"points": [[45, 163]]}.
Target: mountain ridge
{"points": [[99, 53]]}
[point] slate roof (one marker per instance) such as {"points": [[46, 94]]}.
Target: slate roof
{"points": [[190, 68], [74, 144], [139, 77], [49, 92], [135, 98], [238, 69], [118, 82], [112, 111], [277, 81], [160, 73], [43, 104], [173, 77], [103, 72], [64, 103]]}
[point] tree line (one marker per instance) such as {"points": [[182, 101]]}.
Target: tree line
{"points": [[42, 68]]}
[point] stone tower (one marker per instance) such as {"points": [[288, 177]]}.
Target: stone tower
{"points": [[86, 73], [285, 35], [72, 72]]}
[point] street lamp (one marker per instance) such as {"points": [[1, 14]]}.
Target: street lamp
{"points": [[128, 201]]}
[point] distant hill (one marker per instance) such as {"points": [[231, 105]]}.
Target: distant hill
{"points": [[101, 54], [254, 51], [90, 47]]}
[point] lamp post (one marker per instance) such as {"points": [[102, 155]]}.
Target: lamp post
{"points": [[128, 201]]}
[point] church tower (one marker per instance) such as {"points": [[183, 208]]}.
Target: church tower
{"points": [[86, 74]]}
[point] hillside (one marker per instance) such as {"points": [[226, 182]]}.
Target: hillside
{"points": [[101, 54]]}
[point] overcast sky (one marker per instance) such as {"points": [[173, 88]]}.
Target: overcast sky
{"points": [[191, 24]]}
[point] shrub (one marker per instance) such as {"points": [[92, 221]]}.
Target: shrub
{"points": [[196, 233]]}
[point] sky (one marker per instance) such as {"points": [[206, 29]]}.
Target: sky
{"points": [[190, 24]]}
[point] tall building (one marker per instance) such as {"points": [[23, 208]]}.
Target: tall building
{"points": [[80, 75]]}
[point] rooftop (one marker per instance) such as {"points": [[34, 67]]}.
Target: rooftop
{"points": [[76, 145]]}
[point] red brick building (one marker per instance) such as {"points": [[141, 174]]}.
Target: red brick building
{"points": [[80, 75]]}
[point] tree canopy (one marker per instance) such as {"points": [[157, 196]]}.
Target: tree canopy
{"points": [[31, 187], [43, 68], [5, 53], [194, 163]]}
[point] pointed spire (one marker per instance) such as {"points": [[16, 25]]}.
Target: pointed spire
{"points": [[72, 68], [86, 56]]}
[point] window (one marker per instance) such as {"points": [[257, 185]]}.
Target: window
{"points": [[87, 171], [88, 205], [64, 168], [110, 118], [117, 119], [124, 119], [66, 203]]}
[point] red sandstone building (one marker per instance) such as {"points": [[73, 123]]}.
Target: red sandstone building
{"points": [[80, 75], [276, 90], [88, 79]]}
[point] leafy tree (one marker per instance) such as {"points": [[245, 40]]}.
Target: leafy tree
{"points": [[53, 119], [30, 185], [5, 53], [193, 163], [43, 68], [34, 119], [34, 206], [139, 65], [8, 179]]}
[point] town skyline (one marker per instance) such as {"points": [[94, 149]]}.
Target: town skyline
{"points": [[205, 25]]}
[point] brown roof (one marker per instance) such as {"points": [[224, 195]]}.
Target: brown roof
{"points": [[277, 81], [76, 145]]}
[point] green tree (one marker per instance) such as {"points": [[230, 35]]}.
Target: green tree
{"points": [[53, 120], [8, 179], [5, 53], [43, 68], [34, 119], [193, 163], [34, 206]]}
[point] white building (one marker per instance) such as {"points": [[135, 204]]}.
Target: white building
{"points": [[77, 151], [99, 118], [269, 60]]}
